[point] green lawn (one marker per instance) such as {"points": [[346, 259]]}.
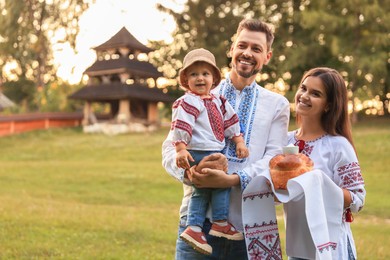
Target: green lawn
{"points": [[69, 195]]}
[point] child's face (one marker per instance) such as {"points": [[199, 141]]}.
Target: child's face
{"points": [[200, 78]]}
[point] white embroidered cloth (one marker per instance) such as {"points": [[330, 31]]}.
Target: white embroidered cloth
{"points": [[313, 206]]}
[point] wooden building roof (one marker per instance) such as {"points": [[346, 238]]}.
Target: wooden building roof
{"points": [[117, 90], [117, 66], [123, 38], [141, 69]]}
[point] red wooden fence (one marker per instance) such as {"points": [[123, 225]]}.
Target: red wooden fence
{"points": [[14, 124]]}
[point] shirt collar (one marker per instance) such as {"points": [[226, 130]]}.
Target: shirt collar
{"points": [[247, 89]]}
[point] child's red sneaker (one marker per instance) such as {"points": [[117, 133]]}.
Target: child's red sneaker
{"points": [[227, 231], [197, 240]]}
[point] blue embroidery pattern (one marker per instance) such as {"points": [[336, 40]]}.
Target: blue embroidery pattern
{"points": [[244, 179], [245, 111]]}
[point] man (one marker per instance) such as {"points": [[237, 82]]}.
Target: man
{"points": [[264, 117]]}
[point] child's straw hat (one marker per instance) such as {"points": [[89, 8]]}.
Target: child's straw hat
{"points": [[196, 56]]}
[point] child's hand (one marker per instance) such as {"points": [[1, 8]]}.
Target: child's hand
{"points": [[182, 159], [241, 150]]}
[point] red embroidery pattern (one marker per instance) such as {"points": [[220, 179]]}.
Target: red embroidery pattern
{"points": [[304, 147], [253, 195], [300, 144], [215, 118], [188, 108], [327, 246], [264, 241], [177, 103], [223, 108], [179, 124], [223, 99], [350, 175], [233, 120]]}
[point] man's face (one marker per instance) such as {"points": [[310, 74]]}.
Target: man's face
{"points": [[249, 53]]}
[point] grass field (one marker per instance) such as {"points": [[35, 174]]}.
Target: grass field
{"points": [[69, 195]]}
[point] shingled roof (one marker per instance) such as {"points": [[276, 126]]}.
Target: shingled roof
{"points": [[139, 68], [116, 91], [123, 38]]}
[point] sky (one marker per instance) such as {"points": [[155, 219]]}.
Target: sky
{"points": [[104, 19]]}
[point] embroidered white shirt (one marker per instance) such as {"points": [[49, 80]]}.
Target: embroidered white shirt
{"points": [[203, 124], [264, 117], [335, 156]]}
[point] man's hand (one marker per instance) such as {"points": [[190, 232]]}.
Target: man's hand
{"points": [[216, 161], [211, 173], [212, 178]]}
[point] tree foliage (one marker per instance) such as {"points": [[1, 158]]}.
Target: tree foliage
{"points": [[21, 92], [357, 35], [350, 36], [27, 33], [208, 24]]}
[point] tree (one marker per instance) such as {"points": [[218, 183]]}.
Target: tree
{"points": [[27, 29], [207, 24], [296, 48], [357, 36], [350, 36], [210, 24]]}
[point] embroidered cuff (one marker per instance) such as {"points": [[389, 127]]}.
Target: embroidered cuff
{"points": [[354, 203], [244, 179], [179, 141]]}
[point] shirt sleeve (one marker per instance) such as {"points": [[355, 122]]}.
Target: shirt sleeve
{"points": [[184, 115], [347, 173], [185, 112], [169, 161], [277, 138]]}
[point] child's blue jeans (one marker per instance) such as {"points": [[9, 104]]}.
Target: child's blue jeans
{"points": [[200, 199]]}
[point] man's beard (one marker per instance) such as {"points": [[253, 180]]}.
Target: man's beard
{"points": [[246, 75]]}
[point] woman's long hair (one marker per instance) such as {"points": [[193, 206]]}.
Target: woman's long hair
{"points": [[335, 121]]}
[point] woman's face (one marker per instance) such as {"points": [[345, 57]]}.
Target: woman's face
{"points": [[311, 99]]}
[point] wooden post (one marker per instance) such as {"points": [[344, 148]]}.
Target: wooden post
{"points": [[124, 111], [152, 113], [86, 113]]}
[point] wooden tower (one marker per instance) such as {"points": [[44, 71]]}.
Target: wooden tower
{"points": [[122, 77]]}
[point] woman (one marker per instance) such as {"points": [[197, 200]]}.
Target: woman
{"points": [[324, 134]]}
